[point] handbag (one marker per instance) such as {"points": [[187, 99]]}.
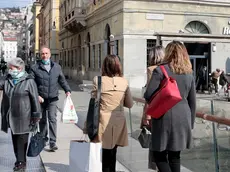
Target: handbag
{"points": [[165, 98], [37, 144], [144, 137], [93, 114]]}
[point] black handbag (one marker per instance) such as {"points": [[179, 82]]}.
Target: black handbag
{"points": [[37, 144], [145, 138], [93, 115]]}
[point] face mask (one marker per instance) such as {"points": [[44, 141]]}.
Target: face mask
{"points": [[46, 62], [14, 73]]}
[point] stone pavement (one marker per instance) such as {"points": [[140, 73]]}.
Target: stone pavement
{"points": [[59, 161], [7, 158], [133, 157]]}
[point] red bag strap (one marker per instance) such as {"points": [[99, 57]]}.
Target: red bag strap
{"points": [[164, 71]]}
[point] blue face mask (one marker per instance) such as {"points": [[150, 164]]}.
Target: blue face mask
{"points": [[16, 73], [46, 62]]}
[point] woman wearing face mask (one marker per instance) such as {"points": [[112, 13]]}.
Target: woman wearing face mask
{"points": [[20, 108]]}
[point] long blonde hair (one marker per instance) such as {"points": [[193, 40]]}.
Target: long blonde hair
{"points": [[177, 56]]}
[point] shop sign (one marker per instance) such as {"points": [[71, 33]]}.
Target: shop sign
{"points": [[226, 31], [151, 16]]}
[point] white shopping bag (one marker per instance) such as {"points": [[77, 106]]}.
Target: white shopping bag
{"points": [[85, 156], [69, 114]]}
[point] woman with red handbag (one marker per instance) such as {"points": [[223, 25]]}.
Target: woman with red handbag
{"points": [[171, 97]]}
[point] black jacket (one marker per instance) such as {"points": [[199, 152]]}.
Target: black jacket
{"points": [[223, 80], [19, 104], [48, 82]]}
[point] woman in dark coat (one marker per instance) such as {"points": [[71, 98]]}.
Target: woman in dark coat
{"points": [[20, 108], [172, 133]]}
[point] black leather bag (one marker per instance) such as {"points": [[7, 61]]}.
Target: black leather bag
{"points": [[93, 115], [145, 138], [37, 144]]}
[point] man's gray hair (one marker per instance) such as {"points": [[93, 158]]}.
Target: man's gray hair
{"points": [[16, 62]]}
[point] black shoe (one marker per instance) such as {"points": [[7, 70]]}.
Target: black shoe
{"points": [[19, 166], [53, 147]]}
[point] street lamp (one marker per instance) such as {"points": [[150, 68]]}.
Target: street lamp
{"points": [[112, 43]]}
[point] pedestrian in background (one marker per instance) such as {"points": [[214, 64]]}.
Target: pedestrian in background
{"points": [[215, 77], [156, 58], [172, 133], [20, 108], [48, 76], [223, 81], [202, 79], [115, 95]]}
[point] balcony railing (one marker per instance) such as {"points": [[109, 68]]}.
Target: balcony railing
{"points": [[75, 20]]}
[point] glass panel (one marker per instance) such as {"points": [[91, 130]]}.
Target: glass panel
{"points": [[200, 158], [222, 109]]}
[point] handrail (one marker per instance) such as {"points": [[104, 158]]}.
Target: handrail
{"points": [[204, 116]]}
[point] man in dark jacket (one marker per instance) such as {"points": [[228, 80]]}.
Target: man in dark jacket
{"points": [[202, 78], [48, 75]]}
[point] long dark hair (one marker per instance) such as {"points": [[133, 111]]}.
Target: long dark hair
{"points": [[111, 66]]}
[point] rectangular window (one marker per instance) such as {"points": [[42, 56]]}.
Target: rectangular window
{"points": [[72, 61], [65, 59], [94, 57], [89, 56], [68, 58], [117, 47], [99, 56]]}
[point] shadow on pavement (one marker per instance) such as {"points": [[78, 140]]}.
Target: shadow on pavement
{"points": [[55, 167]]}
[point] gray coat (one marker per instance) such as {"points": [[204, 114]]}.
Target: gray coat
{"points": [[19, 104], [173, 131]]}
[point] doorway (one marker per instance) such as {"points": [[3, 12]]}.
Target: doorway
{"points": [[200, 56]]}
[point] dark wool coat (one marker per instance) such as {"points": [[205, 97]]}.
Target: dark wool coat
{"points": [[173, 131], [19, 104]]}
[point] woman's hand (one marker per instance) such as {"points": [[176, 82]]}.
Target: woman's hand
{"points": [[41, 100], [146, 121]]}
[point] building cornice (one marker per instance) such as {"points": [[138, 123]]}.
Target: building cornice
{"points": [[104, 7], [222, 3]]}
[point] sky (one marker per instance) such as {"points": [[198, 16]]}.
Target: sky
{"points": [[14, 3]]}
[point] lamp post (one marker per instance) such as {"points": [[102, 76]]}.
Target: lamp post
{"points": [[112, 44]]}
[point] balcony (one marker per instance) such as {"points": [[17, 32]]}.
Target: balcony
{"points": [[75, 20]]}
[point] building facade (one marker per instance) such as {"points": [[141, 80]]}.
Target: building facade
{"points": [[34, 33], [1, 45], [49, 26], [10, 48], [88, 30]]}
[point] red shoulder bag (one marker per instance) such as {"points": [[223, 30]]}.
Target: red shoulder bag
{"points": [[165, 98]]}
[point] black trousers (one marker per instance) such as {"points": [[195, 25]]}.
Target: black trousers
{"points": [[109, 159], [49, 111], [202, 83], [20, 144], [167, 161]]}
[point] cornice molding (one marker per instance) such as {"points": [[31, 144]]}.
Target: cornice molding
{"points": [[222, 3]]}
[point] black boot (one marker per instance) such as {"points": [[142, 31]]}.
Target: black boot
{"points": [[19, 167]]}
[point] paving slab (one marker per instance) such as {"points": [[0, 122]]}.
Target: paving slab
{"points": [[7, 158]]}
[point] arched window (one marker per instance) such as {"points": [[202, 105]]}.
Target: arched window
{"points": [[107, 39], [196, 27]]}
